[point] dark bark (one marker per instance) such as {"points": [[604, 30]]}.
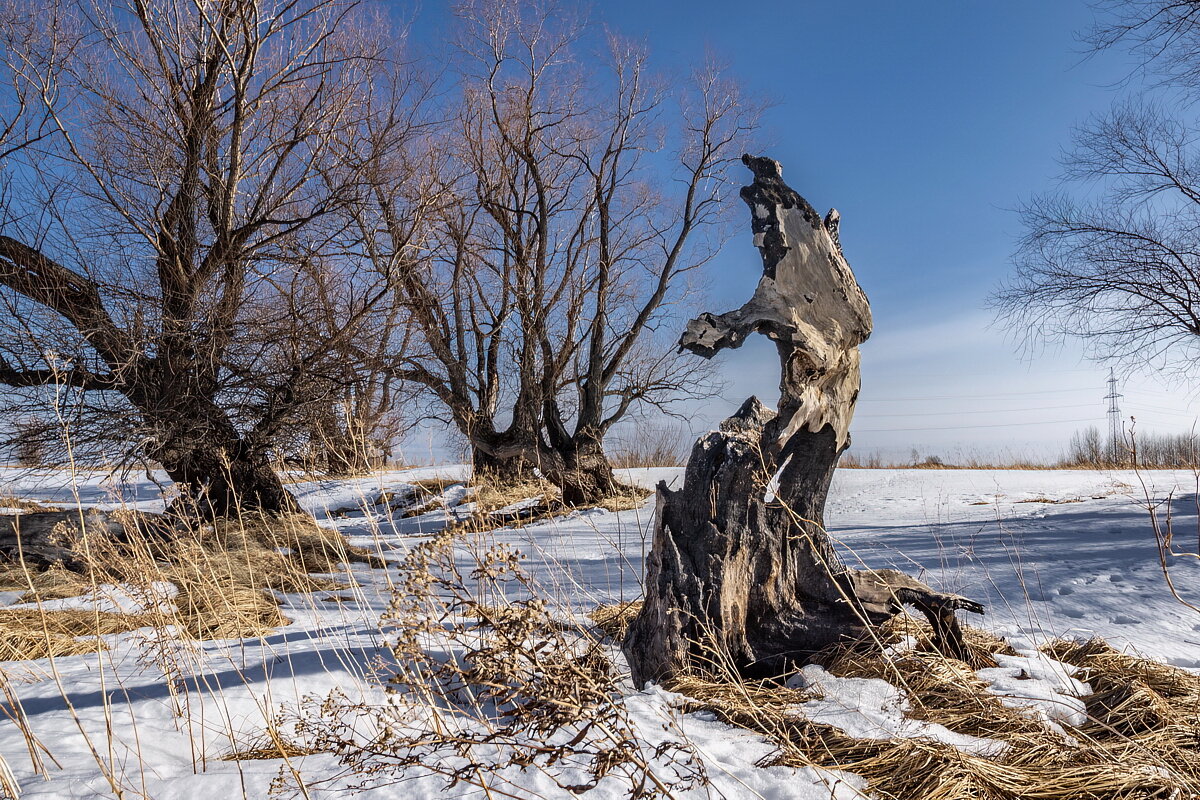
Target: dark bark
{"points": [[218, 471], [743, 576], [44, 539], [215, 483], [486, 467], [585, 475]]}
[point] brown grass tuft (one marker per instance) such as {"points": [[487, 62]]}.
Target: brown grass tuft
{"points": [[9, 502], [226, 574], [1143, 740], [614, 620], [630, 498], [29, 633], [269, 747], [1132, 696]]}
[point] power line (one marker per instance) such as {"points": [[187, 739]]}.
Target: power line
{"points": [[969, 427], [956, 413], [1160, 410], [970, 396]]}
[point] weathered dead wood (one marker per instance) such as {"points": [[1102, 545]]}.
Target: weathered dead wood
{"points": [[742, 575], [46, 538]]}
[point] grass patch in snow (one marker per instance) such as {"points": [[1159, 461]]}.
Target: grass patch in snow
{"points": [[614, 620], [224, 575], [9, 503], [1141, 738], [29, 633]]}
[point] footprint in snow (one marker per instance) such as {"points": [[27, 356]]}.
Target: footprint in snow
{"points": [[1123, 619], [1065, 590]]}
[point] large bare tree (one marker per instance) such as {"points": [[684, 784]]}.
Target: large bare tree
{"points": [[155, 260], [574, 201]]}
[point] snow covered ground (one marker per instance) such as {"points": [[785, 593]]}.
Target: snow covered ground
{"points": [[1050, 553]]}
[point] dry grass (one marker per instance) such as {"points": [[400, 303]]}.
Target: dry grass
{"points": [[28, 633], [614, 620], [523, 690], [54, 583], [1142, 741], [1132, 696], [9, 502], [490, 495], [226, 575], [630, 498], [1051, 501], [267, 747]]}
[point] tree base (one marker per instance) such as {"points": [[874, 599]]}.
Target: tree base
{"points": [[742, 580]]}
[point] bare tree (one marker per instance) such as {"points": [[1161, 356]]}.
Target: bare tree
{"points": [[1120, 268], [355, 428], [574, 207], [1113, 258], [24, 120], [155, 262], [1163, 35]]}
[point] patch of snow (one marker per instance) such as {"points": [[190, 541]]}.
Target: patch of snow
{"points": [[870, 708], [1078, 569], [1037, 684], [114, 598]]}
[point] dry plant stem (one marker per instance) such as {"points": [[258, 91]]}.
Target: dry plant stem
{"points": [[221, 571], [1164, 530], [487, 679]]}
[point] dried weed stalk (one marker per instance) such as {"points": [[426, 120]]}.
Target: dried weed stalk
{"points": [[488, 683]]}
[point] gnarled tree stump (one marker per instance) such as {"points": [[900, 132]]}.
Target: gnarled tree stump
{"points": [[743, 576]]}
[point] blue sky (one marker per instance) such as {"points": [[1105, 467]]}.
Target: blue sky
{"points": [[925, 124]]}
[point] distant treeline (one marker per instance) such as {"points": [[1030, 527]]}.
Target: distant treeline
{"points": [[1088, 449]]}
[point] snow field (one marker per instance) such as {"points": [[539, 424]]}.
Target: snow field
{"points": [[1050, 553]]}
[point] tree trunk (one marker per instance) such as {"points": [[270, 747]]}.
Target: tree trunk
{"points": [[217, 472], [743, 575], [501, 470], [216, 482], [586, 476]]}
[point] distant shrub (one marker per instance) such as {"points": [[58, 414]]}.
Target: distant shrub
{"points": [[652, 446], [30, 442], [1088, 448]]}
